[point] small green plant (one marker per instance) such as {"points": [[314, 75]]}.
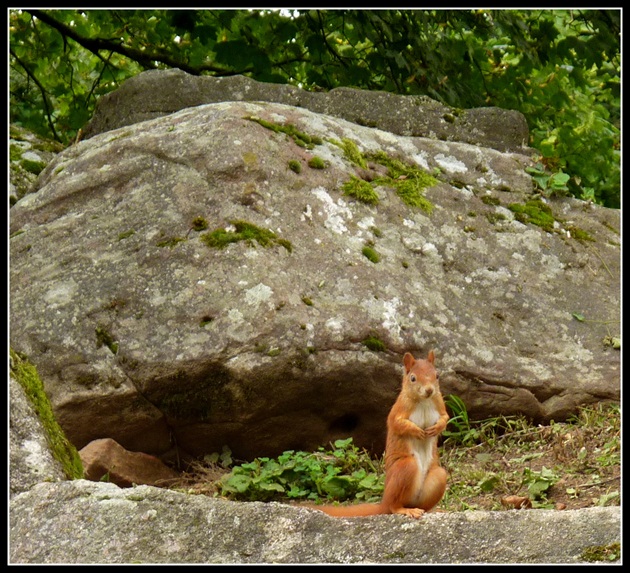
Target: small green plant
{"points": [[224, 458], [295, 166], [613, 341], [538, 483], [342, 473], [459, 429], [549, 184]]}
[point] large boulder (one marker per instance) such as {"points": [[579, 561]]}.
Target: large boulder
{"points": [[154, 331], [156, 93], [87, 522]]}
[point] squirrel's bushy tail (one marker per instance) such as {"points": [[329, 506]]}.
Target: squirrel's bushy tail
{"points": [[360, 510]]}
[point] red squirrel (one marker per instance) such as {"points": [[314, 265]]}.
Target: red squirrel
{"points": [[414, 480]]}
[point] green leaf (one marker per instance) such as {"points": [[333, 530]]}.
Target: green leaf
{"points": [[271, 487], [538, 488], [337, 486], [236, 483]]}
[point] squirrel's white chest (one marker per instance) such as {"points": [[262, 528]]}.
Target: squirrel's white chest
{"points": [[424, 416]]}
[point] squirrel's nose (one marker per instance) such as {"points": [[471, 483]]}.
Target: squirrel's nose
{"points": [[429, 391]]}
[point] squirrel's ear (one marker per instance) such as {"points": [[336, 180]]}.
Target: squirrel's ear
{"points": [[408, 361], [431, 357]]}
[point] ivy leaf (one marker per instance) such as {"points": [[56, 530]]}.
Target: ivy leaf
{"points": [[236, 483], [271, 487], [337, 486]]}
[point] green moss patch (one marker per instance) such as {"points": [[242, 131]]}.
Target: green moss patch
{"points": [[370, 254], [244, 231], [199, 224], [126, 234], [606, 553], [170, 242], [408, 181], [538, 213], [490, 200], [316, 163], [302, 139], [34, 167], [62, 450], [374, 343], [360, 190], [103, 337], [495, 217], [352, 152], [579, 234], [535, 212]]}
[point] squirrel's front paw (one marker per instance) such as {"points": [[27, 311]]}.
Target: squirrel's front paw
{"points": [[421, 434], [435, 430]]}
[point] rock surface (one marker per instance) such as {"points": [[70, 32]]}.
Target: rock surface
{"points": [[87, 522], [146, 334], [30, 459], [107, 459], [156, 93]]}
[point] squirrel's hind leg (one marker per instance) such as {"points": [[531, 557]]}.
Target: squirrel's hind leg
{"points": [[401, 486], [433, 488]]}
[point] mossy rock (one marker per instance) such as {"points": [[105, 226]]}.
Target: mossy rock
{"points": [[62, 450], [28, 156]]}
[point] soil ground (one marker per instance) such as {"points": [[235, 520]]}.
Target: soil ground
{"points": [[508, 463]]}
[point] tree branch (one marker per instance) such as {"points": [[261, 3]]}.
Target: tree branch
{"points": [[47, 107], [147, 59]]}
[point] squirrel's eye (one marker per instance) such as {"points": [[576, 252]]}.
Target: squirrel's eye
{"points": [[412, 377]]}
